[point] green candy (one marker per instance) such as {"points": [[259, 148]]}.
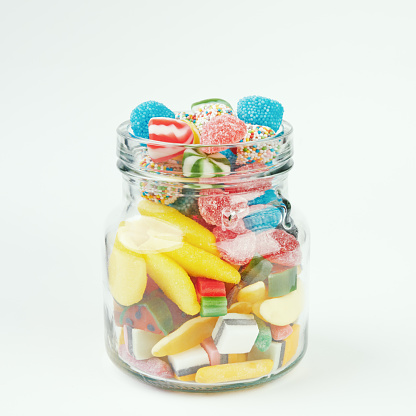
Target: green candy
{"points": [[211, 101], [213, 306], [197, 164], [281, 284], [257, 270], [264, 339], [160, 312]]}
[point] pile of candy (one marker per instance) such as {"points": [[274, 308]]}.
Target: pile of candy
{"points": [[206, 288]]}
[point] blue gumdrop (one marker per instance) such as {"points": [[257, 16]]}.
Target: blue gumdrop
{"points": [[141, 115], [263, 219], [228, 153], [267, 197], [261, 111]]}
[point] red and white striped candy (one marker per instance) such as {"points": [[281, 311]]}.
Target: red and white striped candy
{"points": [[168, 130]]}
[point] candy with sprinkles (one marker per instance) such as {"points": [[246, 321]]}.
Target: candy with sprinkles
{"points": [[260, 110], [164, 194], [208, 112], [141, 115], [197, 164], [139, 343], [209, 101], [262, 217], [225, 129]]}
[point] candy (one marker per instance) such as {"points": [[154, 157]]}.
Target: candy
{"points": [[219, 209], [174, 281], [197, 164], [189, 361], [126, 277], [213, 306], [171, 165], [252, 293], [142, 114], [284, 310], [186, 206], [260, 110], [279, 247], [269, 196], [215, 357], [240, 307], [257, 270], [291, 344], [153, 366], [235, 333], [282, 283], [275, 352], [225, 129], [262, 217], [229, 154], [233, 293], [208, 102], [207, 113], [279, 333], [190, 334], [255, 307], [199, 263], [168, 130], [194, 233], [233, 372], [264, 339], [160, 313], [195, 131], [139, 343], [209, 287]]}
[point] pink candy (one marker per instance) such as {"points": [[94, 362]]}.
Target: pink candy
{"points": [[279, 333], [209, 346], [225, 129]]}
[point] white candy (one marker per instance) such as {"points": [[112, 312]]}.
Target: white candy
{"points": [[189, 361], [275, 352], [235, 333], [139, 343]]}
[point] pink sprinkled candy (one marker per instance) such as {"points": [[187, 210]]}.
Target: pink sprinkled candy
{"points": [[168, 130], [225, 129]]}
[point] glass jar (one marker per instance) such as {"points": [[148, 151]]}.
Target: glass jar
{"points": [[207, 275]]}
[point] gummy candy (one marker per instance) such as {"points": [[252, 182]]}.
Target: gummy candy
{"points": [[257, 270], [160, 313], [209, 287], [209, 101], [189, 361], [197, 164], [253, 293], [229, 154], [269, 196], [262, 217], [139, 343], [186, 206], [225, 129], [260, 110], [142, 114], [233, 372], [213, 306], [282, 283], [168, 130], [291, 344], [208, 112], [279, 333], [188, 335], [264, 339]]}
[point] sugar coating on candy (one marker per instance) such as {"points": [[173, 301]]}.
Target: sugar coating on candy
{"points": [[264, 339], [269, 196], [262, 217], [279, 333], [142, 114], [208, 112], [278, 246], [225, 129], [230, 155], [261, 111]]}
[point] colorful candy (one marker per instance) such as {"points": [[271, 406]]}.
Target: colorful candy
{"points": [[291, 344], [197, 164], [257, 270], [206, 113], [282, 283], [264, 339], [262, 217], [141, 115], [209, 287], [261, 111], [225, 129], [279, 333], [268, 196], [253, 293], [275, 352], [139, 343], [189, 361], [213, 306], [209, 101]]}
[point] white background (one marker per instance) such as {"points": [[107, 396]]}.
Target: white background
{"points": [[345, 72]]}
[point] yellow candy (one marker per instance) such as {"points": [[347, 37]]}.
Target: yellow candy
{"points": [[187, 336], [195, 131], [240, 307], [199, 263], [237, 358], [252, 293], [174, 281], [126, 276], [256, 310], [291, 344], [233, 372], [194, 233], [121, 339], [189, 377]]}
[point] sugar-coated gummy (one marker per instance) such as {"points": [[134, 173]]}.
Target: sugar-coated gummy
{"points": [[141, 115], [260, 110]]}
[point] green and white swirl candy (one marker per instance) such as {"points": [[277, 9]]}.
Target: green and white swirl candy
{"points": [[197, 164]]}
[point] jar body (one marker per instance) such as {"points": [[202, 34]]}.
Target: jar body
{"points": [[206, 285]]}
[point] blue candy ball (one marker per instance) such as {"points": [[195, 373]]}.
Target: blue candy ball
{"points": [[261, 111], [142, 114]]}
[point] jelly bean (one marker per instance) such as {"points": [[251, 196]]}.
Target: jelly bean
{"points": [[213, 306], [279, 333], [291, 344], [189, 335], [224, 129], [174, 281], [207, 101], [126, 277], [275, 352], [189, 361], [194, 233], [197, 164], [264, 339], [262, 217], [235, 333], [139, 343], [252, 293], [170, 131], [257, 270], [153, 366], [282, 283], [199, 263], [233, 372]]}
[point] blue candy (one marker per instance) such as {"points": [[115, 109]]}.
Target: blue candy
{"points": [[142, 114], [268, 196], [230, 156], [263, 219], [260, 110]]}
